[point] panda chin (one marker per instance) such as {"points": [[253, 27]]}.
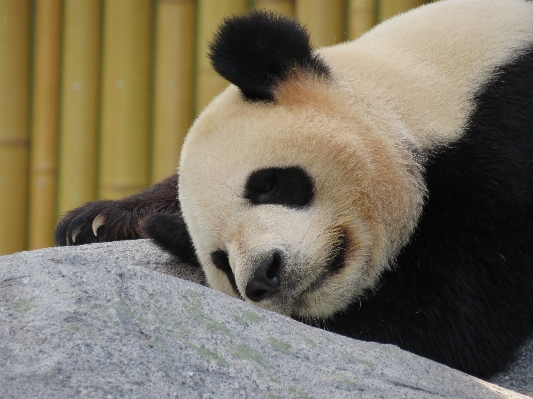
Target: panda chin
{"points": [[307, 301], [310, 302], [336, 264]]}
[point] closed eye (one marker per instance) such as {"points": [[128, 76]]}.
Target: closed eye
{"points": [[291, 186]]}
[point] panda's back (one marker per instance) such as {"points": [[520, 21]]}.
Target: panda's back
{"points": [[428, 64], [470, 257]]}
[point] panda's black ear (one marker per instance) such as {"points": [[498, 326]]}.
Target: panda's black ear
{"points": [[258, 50]]}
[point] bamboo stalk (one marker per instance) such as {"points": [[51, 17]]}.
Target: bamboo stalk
{"points": [[80, 91], [323, 19], [43, 165], [173, 84], [210, 15], [390, 8], [14, 123], [361, 16], [280, 6], [124, 151]]}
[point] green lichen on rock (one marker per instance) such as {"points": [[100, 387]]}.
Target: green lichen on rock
{"points": [[247, 316], [209, 354], [298, 393], [156, 342], [194, 311], [346, 381], [251, 316], [123, 306], [240, 320], [244, 352], [22, 305], [280, 346]]}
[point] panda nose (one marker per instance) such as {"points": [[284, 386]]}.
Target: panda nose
{"points": [[265, 281]]}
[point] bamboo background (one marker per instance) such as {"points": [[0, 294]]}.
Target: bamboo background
{"points": [[96, 96]]}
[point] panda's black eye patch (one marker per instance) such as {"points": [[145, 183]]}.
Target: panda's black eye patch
{"points": [[291, 186], [221, 261]]}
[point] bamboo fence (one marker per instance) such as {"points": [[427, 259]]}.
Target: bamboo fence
{"points": [[44, 122], [79, 115], [96, 96], [15, 73]]}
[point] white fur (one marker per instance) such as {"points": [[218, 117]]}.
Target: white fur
{"points": [[402, 88]]}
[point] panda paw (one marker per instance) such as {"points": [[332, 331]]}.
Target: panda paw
{"points": [[98, 221]]}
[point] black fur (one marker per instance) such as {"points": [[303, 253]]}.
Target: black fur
{"points": [[256, 51], [122, 216], [462, 290], [338, 262], [291, 187], [221, 261], [169, 232], [153, 213]]}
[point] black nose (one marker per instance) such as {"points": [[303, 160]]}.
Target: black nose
{"points": [[265, 281]]}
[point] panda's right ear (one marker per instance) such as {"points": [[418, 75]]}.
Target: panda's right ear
{"points": [[259, 50], [169, 232]]}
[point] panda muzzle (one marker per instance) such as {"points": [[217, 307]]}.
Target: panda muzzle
{"points": [[265, 281]]}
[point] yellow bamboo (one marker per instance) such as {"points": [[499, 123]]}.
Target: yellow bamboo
{"points": [[125, 98], [210, 15], [14, 123], [361, 16], [173, 84], [43, 164], [323, 19], [79, 116], [280, 6], [390, 8]]}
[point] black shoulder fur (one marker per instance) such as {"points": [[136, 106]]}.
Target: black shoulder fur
{"points": [[461, 291], [256, 51]]}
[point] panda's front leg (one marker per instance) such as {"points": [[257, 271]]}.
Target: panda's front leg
{"points": [[153, 213], [113, 220]]}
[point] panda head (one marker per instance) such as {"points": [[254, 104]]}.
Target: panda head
{"points": [[294, 194]]}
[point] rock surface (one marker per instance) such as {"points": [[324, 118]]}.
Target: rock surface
{"points": [[113, 321]]}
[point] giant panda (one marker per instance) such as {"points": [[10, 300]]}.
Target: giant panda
{"points": [[381, 189]]}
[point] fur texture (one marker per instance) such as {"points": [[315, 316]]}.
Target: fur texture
{"points": [[380, 189], [107, 220], [461, 290], [259, 50]]}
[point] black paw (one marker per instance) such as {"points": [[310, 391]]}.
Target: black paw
{"points": [[98, 221]]}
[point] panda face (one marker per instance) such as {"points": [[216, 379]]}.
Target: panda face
{"points": [[285, 201]]}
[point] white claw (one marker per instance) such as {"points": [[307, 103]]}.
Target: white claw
{"points": [[97, 222], [75, 234]]}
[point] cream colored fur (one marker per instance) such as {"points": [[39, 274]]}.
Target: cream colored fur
{"points": [[428, 64], [398, 91]]}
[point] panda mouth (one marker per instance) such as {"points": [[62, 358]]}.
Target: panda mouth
{"points": [[336, 264], [292, 296], [305, 298]]}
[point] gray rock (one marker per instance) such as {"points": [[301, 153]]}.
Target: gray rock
{"points": [[519, 376], [113, 321]]}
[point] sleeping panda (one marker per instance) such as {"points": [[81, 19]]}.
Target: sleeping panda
{"points": [[381, 189]]}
